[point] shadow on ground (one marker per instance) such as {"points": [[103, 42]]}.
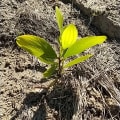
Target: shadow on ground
{"points": [[59, 102]]}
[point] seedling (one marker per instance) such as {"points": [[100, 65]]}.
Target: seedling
{"points": [[69, 45]]}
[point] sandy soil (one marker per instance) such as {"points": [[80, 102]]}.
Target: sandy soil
{"points": [[89, 91]]}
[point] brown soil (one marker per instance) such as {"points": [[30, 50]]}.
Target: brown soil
{"points": [[89, 91]]}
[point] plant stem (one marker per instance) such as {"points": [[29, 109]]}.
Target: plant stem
{"points": [[60, 62]]}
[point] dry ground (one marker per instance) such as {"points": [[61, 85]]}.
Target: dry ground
{"points": [[89, 91]]}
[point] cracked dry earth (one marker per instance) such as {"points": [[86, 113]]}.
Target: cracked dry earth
{"points": [[90, 90]]}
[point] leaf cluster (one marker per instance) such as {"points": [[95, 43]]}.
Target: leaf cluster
{"points": [[69, 45]]}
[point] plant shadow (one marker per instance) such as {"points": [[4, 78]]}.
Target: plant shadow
{"points": [[60, 100], [31, 100], [36, 67]]}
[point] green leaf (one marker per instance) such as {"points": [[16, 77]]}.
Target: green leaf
{"points": [[50, 71], [38, 47], [46, 59], [69, 36], [83, 44], [59, 18], [77, 60]]}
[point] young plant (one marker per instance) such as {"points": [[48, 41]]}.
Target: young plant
{"points": [[69, 45]]}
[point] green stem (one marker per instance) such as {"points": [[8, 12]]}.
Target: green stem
{"points": [[60, 61]]}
